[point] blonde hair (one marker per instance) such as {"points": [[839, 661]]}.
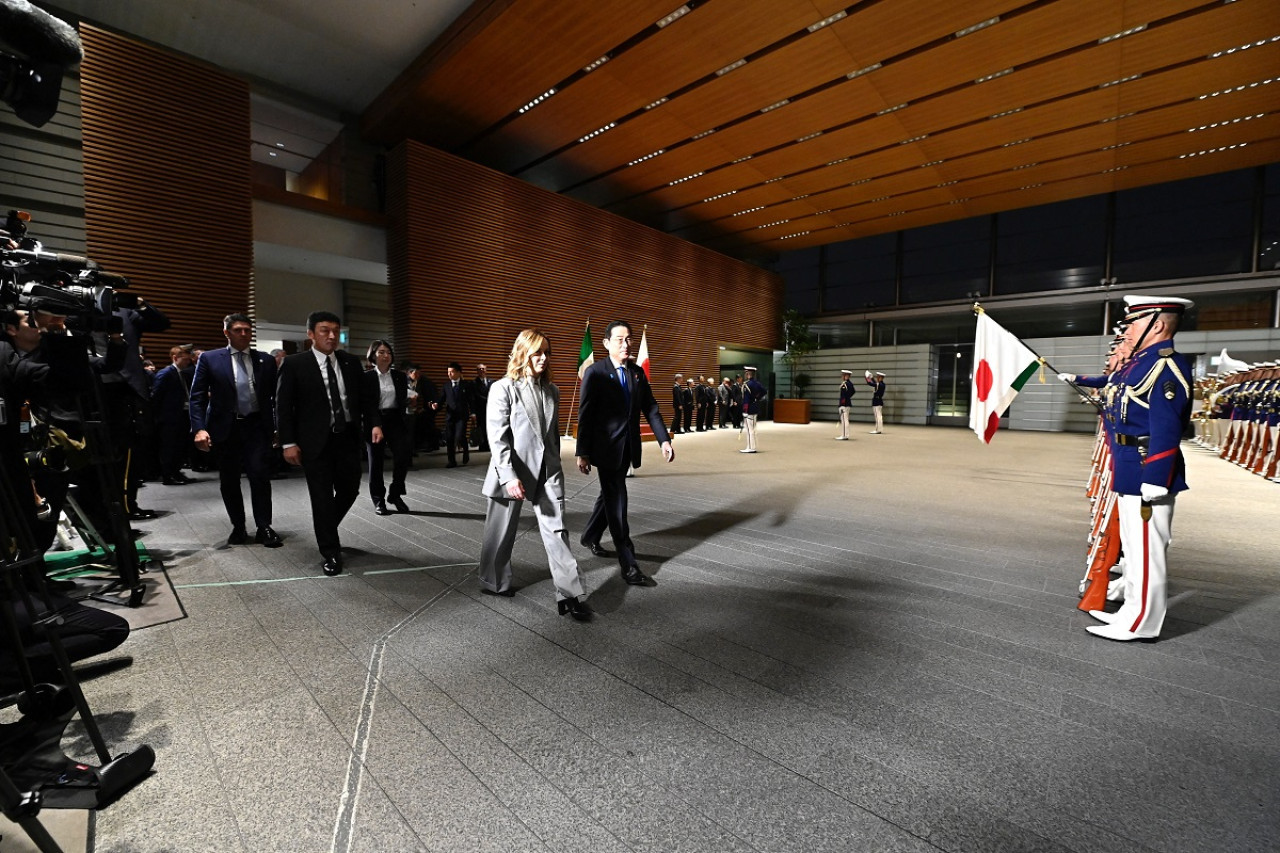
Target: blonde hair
{"points": [[527, 343]]}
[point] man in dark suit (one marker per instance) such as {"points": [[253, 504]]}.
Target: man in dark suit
{"points": [[319, 405], [387, 390], [480, 404], [171, 403], [614, 394], [677, 404], [455, 398], [233, 397]]}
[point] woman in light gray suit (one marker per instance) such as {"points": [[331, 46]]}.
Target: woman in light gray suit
{"points": [[524, 436]]}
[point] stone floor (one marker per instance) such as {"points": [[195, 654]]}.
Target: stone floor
{"points": [[869, 645]]}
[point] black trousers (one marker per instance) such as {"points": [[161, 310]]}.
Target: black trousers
{"points": [[688, 418], [175, 443], [455, 437], [333, 481], [85, 632], [247, 449], [611, 511], [396, 439]]}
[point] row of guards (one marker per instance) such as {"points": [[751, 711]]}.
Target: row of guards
{"points": [[1240, 418]]}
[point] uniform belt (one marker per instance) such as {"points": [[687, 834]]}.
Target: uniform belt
{"points": [[1133, 440]]}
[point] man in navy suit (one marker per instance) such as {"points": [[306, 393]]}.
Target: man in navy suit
{"points": [[171, 402], [233, 396], [319, 407], [614, 394]]}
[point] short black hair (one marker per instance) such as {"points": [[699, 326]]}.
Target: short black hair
{"points": [[455, 366], [608, 330], [316, 317], [231, 319]]}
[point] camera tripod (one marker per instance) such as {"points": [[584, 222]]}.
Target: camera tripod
{"points": [[34, 771]]}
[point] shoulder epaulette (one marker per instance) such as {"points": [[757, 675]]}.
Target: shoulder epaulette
{"points": [[1164, 352]]}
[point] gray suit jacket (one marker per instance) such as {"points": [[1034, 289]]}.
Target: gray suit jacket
{"points": [[524, 439]]}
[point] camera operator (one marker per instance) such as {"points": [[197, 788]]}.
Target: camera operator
{"points": [[50, 373], [36, 355], [127, 394]]}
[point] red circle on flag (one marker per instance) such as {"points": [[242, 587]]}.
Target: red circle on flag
{"points": [[983, 380]]}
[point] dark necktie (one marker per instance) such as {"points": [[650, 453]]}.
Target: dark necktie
{"points": [[626, 389], [335, 398], [244, 395]]}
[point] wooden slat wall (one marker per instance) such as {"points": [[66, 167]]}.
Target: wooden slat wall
{"points": [[42, 173], [167, 181], [475, 256], [367, 312]]}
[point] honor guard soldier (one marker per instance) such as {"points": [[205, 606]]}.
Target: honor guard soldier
{"points": [[1147, 413], [876, 381], [847, 390], [753, 395]]}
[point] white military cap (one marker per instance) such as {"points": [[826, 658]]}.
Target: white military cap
{"points": [[1141, 306], [848, 372], [880, 374], [752, 369]]}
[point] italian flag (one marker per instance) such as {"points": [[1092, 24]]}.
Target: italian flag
{"points": [[586, 355], [1002, 365], [642, 357]]}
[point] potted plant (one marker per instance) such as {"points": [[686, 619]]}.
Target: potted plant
{"points": [[800, 344]]}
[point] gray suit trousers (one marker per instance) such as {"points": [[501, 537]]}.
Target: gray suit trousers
{"points": [[500, 527]]}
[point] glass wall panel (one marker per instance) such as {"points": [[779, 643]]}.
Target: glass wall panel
{"points": [[946, 261], [861, 273], [1198, 226], [1269, 252], [1051, 247]]}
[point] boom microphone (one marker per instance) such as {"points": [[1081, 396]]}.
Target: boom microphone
{"points": [[39, 36]]}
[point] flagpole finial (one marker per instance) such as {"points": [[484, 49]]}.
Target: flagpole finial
{"points": [[978, 309]]}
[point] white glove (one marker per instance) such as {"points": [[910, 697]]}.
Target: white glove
{"points": [[1152, 492], [1067, 377]]}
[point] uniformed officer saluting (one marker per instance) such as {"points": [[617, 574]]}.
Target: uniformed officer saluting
{"points": [[1147, 414]]}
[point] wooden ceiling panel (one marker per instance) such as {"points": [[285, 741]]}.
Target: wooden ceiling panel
{"points": [[1067, 96], [495, 59]]}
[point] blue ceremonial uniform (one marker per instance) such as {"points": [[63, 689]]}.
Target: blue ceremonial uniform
{"points": [[1149, 409]]}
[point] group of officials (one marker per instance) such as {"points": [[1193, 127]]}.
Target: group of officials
{"points": [[325, 409], [697, 401]]}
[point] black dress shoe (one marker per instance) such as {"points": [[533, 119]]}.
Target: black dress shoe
{"points": [[574, 608], [380, 507], [175, 481], [635, 577], [238, 536], [399, 504], [509, 592], [332, 566], [268, 537], [452, 465], [143, 515], [594, 548]]}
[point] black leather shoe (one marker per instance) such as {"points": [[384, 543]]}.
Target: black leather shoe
{"points": [[635, 577], [143, 514], [175, 481], [509, 592], [380, 507], [238, 536], [452, 465], [399, 504], [574, 608], [332, 566], [594, 548], [268, 537]]}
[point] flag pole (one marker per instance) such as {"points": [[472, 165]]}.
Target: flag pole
{"points": [[573, 405], [1088, 398]]}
